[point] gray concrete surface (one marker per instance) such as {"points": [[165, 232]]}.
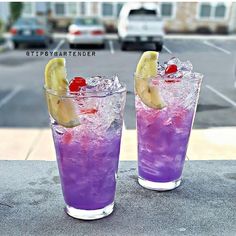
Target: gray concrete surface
{"points": [[31, 202]]}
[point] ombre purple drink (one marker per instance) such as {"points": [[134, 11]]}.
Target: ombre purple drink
{"points": [[163, 134], [88, 153], [88, 165]]}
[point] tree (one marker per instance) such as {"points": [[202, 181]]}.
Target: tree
{"points": [[16, 10], [1, 30], [1, 26]]}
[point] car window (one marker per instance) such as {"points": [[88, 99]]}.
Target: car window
{"points": [[87, 21], [27, 21], [143, 14]]}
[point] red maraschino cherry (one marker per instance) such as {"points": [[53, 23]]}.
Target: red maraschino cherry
{"points": [[76, 84], [88, 111], [171, 69]]}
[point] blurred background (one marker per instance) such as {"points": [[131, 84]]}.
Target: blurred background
{"points": [[118, 32], [179, 17]]}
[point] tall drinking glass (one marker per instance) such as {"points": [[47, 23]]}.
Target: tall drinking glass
{"points": [[88, 153], [163, 134]]}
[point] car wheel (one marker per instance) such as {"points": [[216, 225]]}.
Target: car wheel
{"points": [[72, 46], [46, 43], [123, 46], [102, 46], [159, 46], [16, 45], [51, 41]]}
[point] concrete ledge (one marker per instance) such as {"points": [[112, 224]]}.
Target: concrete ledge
{"points": [[16, 143], [32, 203], [37, 144], [213, 144]]}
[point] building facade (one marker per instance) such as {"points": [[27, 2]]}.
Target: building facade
{"points": [[186, 17]]}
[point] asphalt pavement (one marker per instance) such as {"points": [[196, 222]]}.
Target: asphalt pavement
{"points": [[22, 101]]}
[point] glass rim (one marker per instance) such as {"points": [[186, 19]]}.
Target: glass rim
{"points": [[85, 94], [197, 77]]}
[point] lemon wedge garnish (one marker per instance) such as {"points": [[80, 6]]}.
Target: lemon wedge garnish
{"points": [[146, 69], [60, 107]]}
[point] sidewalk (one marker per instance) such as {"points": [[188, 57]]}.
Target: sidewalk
{"points": [[37, 144]]}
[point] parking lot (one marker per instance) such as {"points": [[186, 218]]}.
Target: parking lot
{"points": [[22, 102]]}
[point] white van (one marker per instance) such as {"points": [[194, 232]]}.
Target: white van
{"points": [[140, 23]]}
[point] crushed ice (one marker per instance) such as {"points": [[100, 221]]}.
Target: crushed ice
{"points": [[108, 115], [103, 84], [185, 69], [178, 94]]}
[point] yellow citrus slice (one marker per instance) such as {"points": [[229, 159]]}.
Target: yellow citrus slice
{"points": [[146, 69], [60, 107]]}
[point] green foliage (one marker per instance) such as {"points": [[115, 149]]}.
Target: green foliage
{"points": [[16, 10], [1, 27], [1, 31]]}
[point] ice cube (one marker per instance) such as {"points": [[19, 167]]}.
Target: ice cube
{"points": [[107, 104], [116, 83], [186, 66], [182, 66], [176, 61], [103, 84], [93, 81], [59, 129]]}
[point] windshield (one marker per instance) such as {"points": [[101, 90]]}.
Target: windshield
{"points": [[87, 21], [27, 21], [143, 14]]}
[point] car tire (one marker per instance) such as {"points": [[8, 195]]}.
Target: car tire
{"points": [[46, 44], [16, 45], [102, 46], [51, 40], [123, 46], [159, 46], [72, 46]]}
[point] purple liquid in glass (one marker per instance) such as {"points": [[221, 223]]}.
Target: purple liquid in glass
{"points": [[162, 143], [88, 168], [163, 134], [88, 152]]}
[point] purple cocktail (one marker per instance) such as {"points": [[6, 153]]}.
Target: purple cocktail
{"points": [[163, 133], [88, 146], [88, 165]]}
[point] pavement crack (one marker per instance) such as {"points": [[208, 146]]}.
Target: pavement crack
{"points": [[4, 204], [31, 148], [124, 171]]}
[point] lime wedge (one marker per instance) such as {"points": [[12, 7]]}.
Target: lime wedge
{"points": [[146, 69], [60, 107]]}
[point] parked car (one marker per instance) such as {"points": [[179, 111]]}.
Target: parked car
{"points": [[86, 31], [140, 23], [31, 31]]}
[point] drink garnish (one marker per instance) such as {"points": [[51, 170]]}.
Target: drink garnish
{"points": [[171, 69], [147, 69], [61, 108], [76, 84], [88, 111]]}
